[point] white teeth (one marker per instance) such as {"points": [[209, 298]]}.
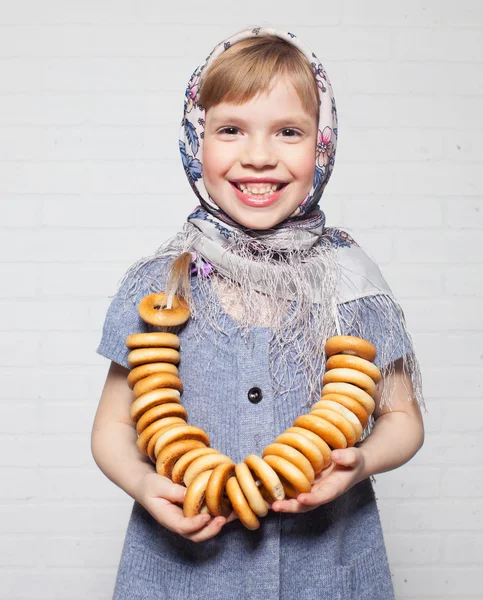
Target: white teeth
{"points": [[258, 191]]}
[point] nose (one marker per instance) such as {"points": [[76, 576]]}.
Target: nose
{"points": [[258, 153]]}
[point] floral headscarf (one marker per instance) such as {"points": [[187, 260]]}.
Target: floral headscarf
{"points": [[192, 129]]}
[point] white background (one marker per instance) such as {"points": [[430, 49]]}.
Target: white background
{"points": [[91, 98]]}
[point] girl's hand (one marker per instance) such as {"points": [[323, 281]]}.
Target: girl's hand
{"points": [[347, 469], [161, 498]]}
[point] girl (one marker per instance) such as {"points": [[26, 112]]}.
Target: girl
{"points": [[267, 283]]}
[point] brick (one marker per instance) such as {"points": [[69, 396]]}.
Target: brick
{"points": [[21, 484], [20, 550], [44, 452], [431, 515], [435, 582], [20, 348], [432, 44], [444, 448], [17, 280], [438, 348], [468, 14], [454, 314], [78, 484], [465, 213], [413, 549], [19, 210], [68, 418], [406, 281], [95, 552], [53, 315], [80, 353], [446, 382], [457, 412], [410, 482], [463, 281], [53, 518], [463, 481], [463, 548], [94, 280], [19, 418]]}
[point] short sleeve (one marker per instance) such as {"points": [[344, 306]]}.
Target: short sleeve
{"points": [[122, 318], [379, 320]]}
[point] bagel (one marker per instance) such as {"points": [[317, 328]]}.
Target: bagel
{"points": [[177, 474], [155, 381], [351, 404], [322, 445], [170, 409], [250, 489], [339, 421], [180, 432], [297, 480], [240, 505], [269, 478], [325, 430], [152, 398], [152, 309], [170, 454], [215, 498], [145, 436], [293, 456], [350, 376], [169, 422], [195, 494], [347, 389], [305, 446], [154, 339], [140, 356], [202, 463], [348, 344], [346, 361], [345, 412], [148, 369]]}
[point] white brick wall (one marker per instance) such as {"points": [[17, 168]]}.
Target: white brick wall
{"points": [[91, 97]]}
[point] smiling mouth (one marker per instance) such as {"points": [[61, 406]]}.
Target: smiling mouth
{"points": [[259, 190]]}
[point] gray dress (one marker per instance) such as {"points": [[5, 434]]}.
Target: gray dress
{"points": [[334, 552]]}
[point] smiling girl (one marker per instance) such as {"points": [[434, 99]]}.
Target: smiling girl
{"points": [[267, 283]]}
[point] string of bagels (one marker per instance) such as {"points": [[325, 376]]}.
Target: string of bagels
{"points": [[287, 467]]}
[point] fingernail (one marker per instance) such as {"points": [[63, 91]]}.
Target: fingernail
{"points": [[336, 455]]}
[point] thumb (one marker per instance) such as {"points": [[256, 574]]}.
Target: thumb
{"points": [[346, 458]]}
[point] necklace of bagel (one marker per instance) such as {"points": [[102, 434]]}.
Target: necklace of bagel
{"points": [[287, 467]]}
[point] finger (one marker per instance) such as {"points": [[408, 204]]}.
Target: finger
{"points": [[288, 506], [212, 529], [173, 518], [172, 491], [346, 458], [325, 493]]}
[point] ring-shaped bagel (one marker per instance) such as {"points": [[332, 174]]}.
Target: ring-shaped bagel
{"points": [[342, 424], [180, 432], [152, 310], [240, 505], [147, 369], [152, 398], [269, 478], [290, 472], [350, 376], [304, 445], [346, 361], [195, 495], [351, 404], [202, 463], [325, 430], [177, 474], [168, 423], [215, 498], [348, 344], [143, 440], [322, 445], [170, 454], [250, 490], [140, 356], [345, 412], [155, 381], [153, 339], [170, 409], [347, 389], [292, 455]]}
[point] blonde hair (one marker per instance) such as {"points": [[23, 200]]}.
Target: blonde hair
{"points": [[249, 67], [242, 71]]}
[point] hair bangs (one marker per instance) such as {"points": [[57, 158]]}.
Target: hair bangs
{"points": [[251, 66]]}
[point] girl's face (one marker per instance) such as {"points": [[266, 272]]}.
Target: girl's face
{"points": [[270, 140]]}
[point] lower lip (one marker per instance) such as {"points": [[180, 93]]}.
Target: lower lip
{"points": [[258, 202]]}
